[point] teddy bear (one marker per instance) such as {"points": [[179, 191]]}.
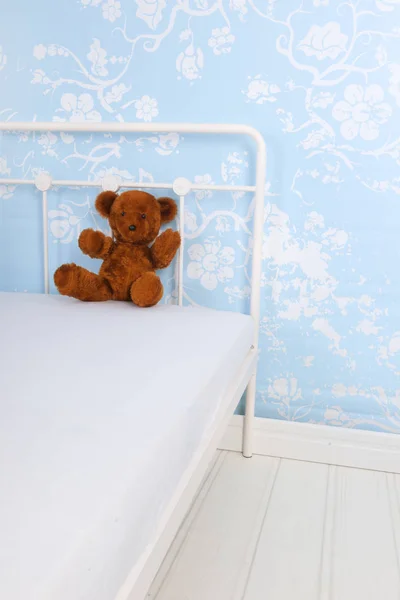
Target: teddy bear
{"points": [[129, 264]]}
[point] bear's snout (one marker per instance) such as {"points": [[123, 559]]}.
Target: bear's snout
{"points": [[132, 227]]}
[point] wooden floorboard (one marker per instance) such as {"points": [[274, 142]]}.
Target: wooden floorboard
{"points": [[287, 561], [274, 529], [212, 554], [362, 552]]}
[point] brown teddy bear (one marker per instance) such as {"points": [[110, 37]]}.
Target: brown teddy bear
{"points": [[129, 265]]}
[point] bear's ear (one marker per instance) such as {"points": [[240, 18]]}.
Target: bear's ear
{"points": [[168, 209], [104, 202]]}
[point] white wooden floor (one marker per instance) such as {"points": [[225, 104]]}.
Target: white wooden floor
{"points": [[274, 529]]}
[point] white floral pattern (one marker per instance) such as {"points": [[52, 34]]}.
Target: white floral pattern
{"points": [[47, 141], [324, 42], [97, 56], [4, 169], [116, 93], [260, 91], [362, 112], [39, 76], [167, 144], [190, 63], [211, 263], [314, 221], [40, 51], [63, 224], [203, 180], [321, 81], [111, 10], [78, 108], [240, 6], [150, 11], [285, 389], [221, 40], [146, 108]]}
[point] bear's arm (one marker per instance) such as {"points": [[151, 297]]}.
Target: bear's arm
{"points": [[95, 244], [164, 248]]}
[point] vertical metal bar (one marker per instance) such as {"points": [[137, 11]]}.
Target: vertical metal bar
{"points": [[255, 304], [182, 232], [45, 242], [248, 422]]}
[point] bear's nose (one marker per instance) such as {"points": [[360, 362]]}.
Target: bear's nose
{"points": [[132, 227]]}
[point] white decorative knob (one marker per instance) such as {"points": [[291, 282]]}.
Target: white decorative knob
{"points": [[43, 182], [181, 186], [110, 183]]}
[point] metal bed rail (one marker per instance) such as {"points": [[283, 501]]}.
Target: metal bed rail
{"points": [[181, 187]]}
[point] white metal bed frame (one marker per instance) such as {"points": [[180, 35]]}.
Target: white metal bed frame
{"points": [[143, 572]]}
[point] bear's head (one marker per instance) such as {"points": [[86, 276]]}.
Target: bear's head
{"points": [[134, 216]]}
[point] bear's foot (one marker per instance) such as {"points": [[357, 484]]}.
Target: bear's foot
{"points": [[81, 284], [147, 290]]}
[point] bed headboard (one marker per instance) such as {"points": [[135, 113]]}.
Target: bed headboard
{"points": [[180, 186]]}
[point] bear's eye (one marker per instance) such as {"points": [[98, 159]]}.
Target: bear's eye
{"points": [[143, 216], [123, 213]]}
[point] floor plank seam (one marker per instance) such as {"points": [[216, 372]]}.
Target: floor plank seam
{"points": [[327, 543], [259, 532], [394, 511], [273, 527]]}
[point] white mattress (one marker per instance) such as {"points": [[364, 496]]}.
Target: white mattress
{"points": [[102, 407]]}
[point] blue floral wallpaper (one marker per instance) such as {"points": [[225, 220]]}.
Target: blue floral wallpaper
{"points": [[321, 80]]}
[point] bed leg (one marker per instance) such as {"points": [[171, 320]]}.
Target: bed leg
{"points": [[248, 422]]}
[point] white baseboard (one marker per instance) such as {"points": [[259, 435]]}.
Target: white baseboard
{"points": [[318, 443]]}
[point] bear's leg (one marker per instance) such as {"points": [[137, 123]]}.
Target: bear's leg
{"points": [[147, 290], [81, 284]]}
